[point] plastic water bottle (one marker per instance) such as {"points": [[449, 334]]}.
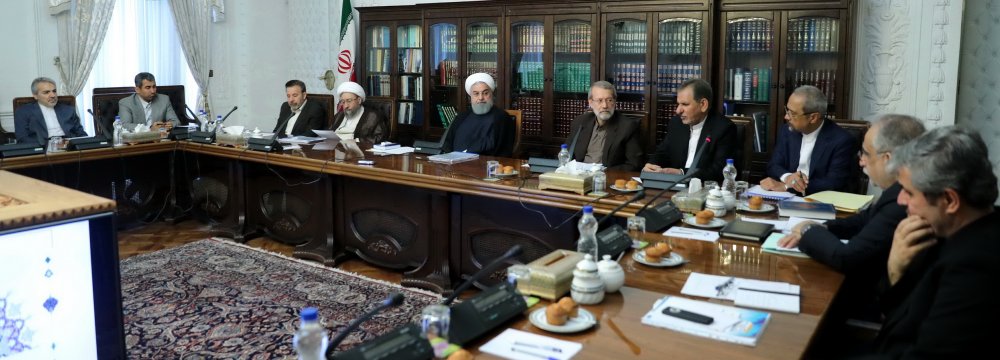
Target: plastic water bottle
{"points": [[600, 181], [588, 232], [203, 120], [729, 177], [563, 155], [218, 123], [118, 129], [310, 340]]}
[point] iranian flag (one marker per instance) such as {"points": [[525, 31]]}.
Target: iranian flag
{"points": [[348, 43]]}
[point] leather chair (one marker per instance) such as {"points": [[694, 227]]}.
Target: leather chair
{"points": [[857, 129], [6, 136], [174, 92], [329, 104], [516, 116], [744, 153], [105, 109], [387, 107]]}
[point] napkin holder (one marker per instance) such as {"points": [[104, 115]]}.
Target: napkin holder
{"points": [[140, 137], [552, 274], [580, 184], [230, 139]]}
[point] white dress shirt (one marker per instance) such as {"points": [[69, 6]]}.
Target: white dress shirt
{"points": [[805, 153], [693, 142], [295, 116], [350, 123], [147, 107], [51, 121]]}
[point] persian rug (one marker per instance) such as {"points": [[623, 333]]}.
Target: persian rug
{"points": [[216, 299]]}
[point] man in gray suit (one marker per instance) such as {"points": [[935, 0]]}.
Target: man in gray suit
{"points": [[44, 118], [146, 106]]}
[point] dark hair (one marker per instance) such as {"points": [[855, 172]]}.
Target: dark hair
{"points": [[143, 76], [34, 84], [298, 83], [949, 157], [700, 89], [602, 85]]}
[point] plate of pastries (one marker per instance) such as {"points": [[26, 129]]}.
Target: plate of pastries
{"points": [[626, 185], [563, 316], [705, 219]]}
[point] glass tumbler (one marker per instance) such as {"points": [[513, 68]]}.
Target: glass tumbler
{"points": [[519, 276], [636, 228], [434, 323]]}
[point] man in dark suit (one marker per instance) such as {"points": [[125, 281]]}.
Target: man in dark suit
{"points": [[298, 114], [605, 136], [862, 258], [38, 121], [356, 120], [811, 154], [146, 106], [696, 138], [943, 265]]}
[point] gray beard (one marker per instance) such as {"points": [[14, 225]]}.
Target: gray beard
{"points": [[352, 113], [604, 116], [480, 109]]}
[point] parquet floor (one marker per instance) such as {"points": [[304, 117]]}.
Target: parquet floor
{"points": [[163, 235]]}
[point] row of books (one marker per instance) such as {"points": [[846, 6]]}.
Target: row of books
{"points": [[572, 77], [630, 105], [573, 38], [751, 35], [822, 79], [408, 36], [679, 37], [813, 34], [531, 114], [411, 86], [410, 113], [744, 84], [444, 38], [628, 38], [379, 85], [482, 39], [411, 60], [665, 111], [531, 75], [528, 38], [446, 114], [448, 73], [565, 111], [378, 60], [669, 77], [489, 67], [378, 37], [629, 77]]}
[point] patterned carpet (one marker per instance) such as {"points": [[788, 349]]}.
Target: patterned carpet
{"points": [[221, 300]]}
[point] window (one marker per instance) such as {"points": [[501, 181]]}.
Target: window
{"points": [[141, 37]]}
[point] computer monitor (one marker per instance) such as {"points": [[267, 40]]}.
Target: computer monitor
{"points": [[60, 295]]}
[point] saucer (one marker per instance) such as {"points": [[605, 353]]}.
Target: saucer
{"points": [[763, 208], [715, 223], [583, 321], [673, 260], [625, 190], [507, 175]]}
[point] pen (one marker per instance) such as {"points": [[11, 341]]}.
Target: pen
{"points": [[770, 291], [721, 288], [540, 356], [537, 346]]}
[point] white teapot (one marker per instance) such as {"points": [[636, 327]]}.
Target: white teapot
{"points": [[587, 287], [611, 274]]}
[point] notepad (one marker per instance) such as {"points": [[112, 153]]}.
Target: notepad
{"points": [[771, 246], [846, 202], [732, 324], [756, 190]]}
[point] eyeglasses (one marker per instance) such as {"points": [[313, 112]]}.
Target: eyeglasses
{"points": [[865, 153], [348, 101], [608, 101], [789, 112]]}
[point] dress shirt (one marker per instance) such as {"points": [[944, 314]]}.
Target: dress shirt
{"points": [[808, 143], [147, 107], [295, 116], [346, 129], [595, 149], [51, 121], [693, 141]]}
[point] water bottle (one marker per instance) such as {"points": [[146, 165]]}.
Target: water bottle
{"points": [[218, 123], [563, 155], [588, 232], [203, 120], [600, 181], [118, 129], [729, 177], [310, 340]]}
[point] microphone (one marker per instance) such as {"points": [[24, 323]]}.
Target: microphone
{"points": [[193, 115], [572, 143], [270, 143], [393, 300], [512, 252], [225, 117], [697, 155], [638, 195], [666, 213]]}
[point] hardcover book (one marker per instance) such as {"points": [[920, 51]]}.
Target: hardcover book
{"points": [[812, 210]]}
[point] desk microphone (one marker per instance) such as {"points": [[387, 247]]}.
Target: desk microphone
{"points": [[393, 300], [487, 310], [224, 118], [697, 157], [271, 143], [511, 253], [664, 214], [572, 143]]}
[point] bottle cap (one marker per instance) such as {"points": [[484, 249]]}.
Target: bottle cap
{"points": [[564, 146], [729, 161], [588, 209], [309, 314]]}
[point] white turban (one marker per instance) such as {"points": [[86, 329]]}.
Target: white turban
{"points": [[353, 88], [477, 78]]}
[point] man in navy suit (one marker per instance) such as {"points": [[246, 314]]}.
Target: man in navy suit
{"points": [[38, 121], [812, 154]]}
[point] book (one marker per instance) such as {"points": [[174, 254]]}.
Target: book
{"points": [[729, 323], [756, 190], [746, 230], [453, 157], [812, 210], [842, 201]]}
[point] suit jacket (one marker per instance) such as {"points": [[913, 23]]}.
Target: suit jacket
{"points": [[722, 145], [131, 112], [951, 311], [495, 138], [622, 150], [312, 116], [373, 126], [833, 158], [29, 123]]}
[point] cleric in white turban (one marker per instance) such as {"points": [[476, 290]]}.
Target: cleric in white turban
{"points": [[484, 129], [355, 120]]}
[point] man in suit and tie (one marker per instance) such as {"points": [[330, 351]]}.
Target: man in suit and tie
{"points": [[298, 116], [811, 154], [605, 136], [696, 138], [146, 106], [38, 121]]}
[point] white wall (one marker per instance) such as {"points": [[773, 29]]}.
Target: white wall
{"points": [[29, 36], [979, 74]]}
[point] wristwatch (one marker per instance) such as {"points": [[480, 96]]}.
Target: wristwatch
{"points": [[807, 228]]}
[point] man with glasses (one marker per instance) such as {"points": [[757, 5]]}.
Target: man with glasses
{"points": [[298, 117], [358, 121], [696, 138], [484, 129], [811, 154], [605, 136]]}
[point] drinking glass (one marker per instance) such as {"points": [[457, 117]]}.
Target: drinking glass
{"points": [[741, 191], [519, 276], [636, 228], [492, 167], [709, 185], [434, 323]]}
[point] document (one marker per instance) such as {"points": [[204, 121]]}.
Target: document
{"points": [[846, 202], [726, 323], [518, 345], [688, 233]]}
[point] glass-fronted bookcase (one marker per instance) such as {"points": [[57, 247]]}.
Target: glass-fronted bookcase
{"points": [[391, 68]]}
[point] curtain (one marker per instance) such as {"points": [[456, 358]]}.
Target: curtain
{"points": [[81, 25], [194, 19]]}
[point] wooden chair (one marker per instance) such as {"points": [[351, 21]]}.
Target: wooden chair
{"points": [[516, 116], [5, 135], [387, 106], [857, 129], [744, 153]]}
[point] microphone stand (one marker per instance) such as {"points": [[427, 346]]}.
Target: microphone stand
{"points": [[512, 252], [394, 299]]}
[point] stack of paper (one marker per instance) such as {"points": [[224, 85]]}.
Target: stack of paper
{"points": [[453, 157], [846, 202], [756, 190], [728, 323], [517, 344], [771, 246], [772, 295]]}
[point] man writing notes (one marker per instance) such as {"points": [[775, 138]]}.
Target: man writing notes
{"points": [[356, 120], [38, 121], [696, 138], [863, 258], [146, 106], [485, 129], [298, 116], [943, 265], [811, 154], [605, 136]]}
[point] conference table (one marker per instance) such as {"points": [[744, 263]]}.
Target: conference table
{"points": [[436, 223]]}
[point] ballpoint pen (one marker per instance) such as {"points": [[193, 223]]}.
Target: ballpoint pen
{"points": [[526, 352], [538, 346], [723, 288]]}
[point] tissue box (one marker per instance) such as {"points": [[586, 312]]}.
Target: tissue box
{"points": [[140, 137], [552, 274], [580, 184]]}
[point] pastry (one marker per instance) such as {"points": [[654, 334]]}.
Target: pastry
{"points": [[508, 170], [632, 185], [703, 217], [567, 303], [653, 254], [556, 315], [755, 202], [461, 354], [620, 183], [664, 249]]}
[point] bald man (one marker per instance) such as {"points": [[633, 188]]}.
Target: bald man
{"points": [[485, 129]]}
